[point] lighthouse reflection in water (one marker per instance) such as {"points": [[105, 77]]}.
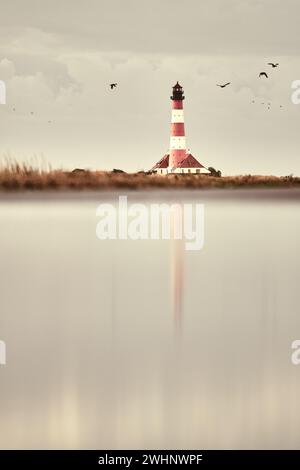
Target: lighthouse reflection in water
{"points": [[143, 344]]}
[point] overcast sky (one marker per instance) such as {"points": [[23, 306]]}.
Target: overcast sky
{"points": [[58, 58]]}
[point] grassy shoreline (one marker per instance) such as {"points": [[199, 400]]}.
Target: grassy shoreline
{"points": [[22, 178]]}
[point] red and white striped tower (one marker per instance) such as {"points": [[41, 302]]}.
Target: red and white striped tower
{"points": [[177, 140]]}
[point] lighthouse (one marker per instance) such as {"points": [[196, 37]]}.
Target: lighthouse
{"points": [[177, 138], [178, 159]]}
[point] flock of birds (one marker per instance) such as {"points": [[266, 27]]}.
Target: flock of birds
{"points": [[31, 113], [112, 86], [224, 85], [262, 74]]}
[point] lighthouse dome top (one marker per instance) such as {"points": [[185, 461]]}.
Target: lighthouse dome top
{"points": [[177, 92], [177, 85]]}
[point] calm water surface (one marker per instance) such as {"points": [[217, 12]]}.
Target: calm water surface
{"points": [[142, 344]]}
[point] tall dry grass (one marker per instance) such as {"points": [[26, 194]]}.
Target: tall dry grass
{"points": [[15, 176]]}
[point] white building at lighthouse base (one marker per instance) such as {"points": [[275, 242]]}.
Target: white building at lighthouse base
{"points": [[188, 165]]}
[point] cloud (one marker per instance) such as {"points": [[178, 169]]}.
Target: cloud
{"points": [[171, 27]]}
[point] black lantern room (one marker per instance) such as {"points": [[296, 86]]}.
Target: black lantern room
{"points": [[177, 93]]}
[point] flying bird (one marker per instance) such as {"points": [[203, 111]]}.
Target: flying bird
{"points": [[225, 84], [113, 85], [263, 74], [273, 65]]}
